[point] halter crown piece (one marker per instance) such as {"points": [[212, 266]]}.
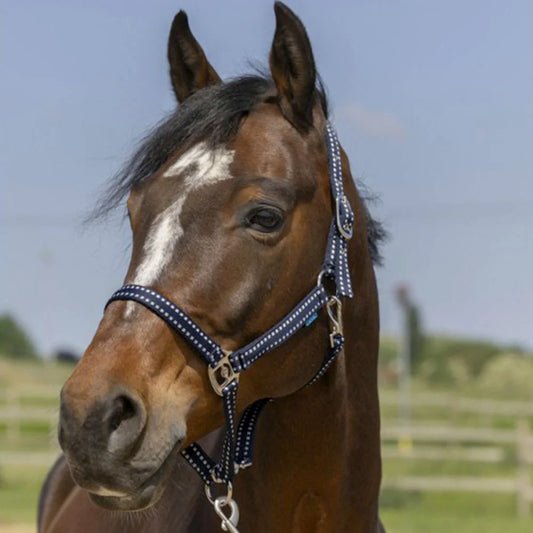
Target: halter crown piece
{"points": [[224, 367]]}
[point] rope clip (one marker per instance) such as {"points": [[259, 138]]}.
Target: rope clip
{"points": [[229, 521], [334, 310]]}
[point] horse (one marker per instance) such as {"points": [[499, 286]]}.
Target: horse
{"points": [[231, 209]]}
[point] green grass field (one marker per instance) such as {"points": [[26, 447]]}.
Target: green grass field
{"points": [[19, 491], [450, 513], [401, 511]]}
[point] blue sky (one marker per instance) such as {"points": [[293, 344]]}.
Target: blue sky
{"points": [[433, 102]]}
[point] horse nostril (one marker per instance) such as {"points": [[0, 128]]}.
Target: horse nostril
{"points": [[125, 422], [123, 409]]}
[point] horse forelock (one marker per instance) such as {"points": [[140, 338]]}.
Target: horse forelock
{"points": [[209, 118]]}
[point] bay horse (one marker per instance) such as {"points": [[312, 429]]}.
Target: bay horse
{"points": [[233, 201]]}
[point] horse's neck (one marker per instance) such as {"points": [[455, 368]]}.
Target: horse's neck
{"points": [[317, 451]]}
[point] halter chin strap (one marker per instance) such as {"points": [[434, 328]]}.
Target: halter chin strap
{"points": [[224, 367]]}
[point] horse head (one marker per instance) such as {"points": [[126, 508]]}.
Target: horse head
{"points": [[229, 204]]}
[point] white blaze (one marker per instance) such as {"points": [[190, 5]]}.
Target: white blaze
{"points": [[200, 166]]}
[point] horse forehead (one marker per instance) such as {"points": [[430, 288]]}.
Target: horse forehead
{"points": [[198, 166], [268, 145]]}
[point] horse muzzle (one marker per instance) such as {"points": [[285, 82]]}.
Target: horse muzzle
{"points": [[111, 449]]}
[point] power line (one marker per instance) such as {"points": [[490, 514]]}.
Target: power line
{"points": [[54, 221], [463, 210], [427, 211]]}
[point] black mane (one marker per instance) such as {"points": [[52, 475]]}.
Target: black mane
{"points": [[212, 115]]}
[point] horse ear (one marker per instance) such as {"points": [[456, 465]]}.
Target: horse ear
{"points": [[189, 69], [293, 68]]}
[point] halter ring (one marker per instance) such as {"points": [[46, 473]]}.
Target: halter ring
{"points": [[222, 374], [224, 499]]}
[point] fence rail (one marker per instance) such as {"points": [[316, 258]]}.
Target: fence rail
{"points": [[482, 454], [420, 440], [453, 484], [447, 433], [453, 403], [408, 436]]}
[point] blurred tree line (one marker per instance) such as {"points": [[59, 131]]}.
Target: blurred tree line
{"points": [[449, 362], [14, 341]]}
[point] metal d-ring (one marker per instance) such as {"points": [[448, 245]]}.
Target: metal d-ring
{"points": [[229, 492], [320, 279]]}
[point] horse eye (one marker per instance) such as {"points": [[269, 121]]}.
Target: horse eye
{"points": [[264, 219]]}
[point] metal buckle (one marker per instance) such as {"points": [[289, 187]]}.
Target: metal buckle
{"points": [[345, 227], [334, 309], [222, 374]]}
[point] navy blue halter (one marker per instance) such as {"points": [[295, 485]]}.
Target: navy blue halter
{"points": [[224, 367]]}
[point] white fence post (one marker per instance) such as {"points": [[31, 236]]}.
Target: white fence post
{"points": [[52, 431], [13, 422], [524, 488]]}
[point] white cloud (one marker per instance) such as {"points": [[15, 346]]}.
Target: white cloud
{"points": [[371, 122]]}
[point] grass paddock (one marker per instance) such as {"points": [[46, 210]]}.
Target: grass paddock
{"points": [[450, 513], [400, 511], [19, 491]]}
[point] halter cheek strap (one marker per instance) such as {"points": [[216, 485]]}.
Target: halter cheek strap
{"points": [[224, 367]]}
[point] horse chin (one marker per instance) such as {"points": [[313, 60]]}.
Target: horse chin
{"points": [[144, 499]]}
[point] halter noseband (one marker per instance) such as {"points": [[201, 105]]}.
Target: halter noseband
{"points": [[224, 367]]}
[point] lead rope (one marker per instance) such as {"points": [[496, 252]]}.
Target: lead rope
{"points": [[224, 367]]}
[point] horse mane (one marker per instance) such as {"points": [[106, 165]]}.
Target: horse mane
{"points": [[211, 115]]}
